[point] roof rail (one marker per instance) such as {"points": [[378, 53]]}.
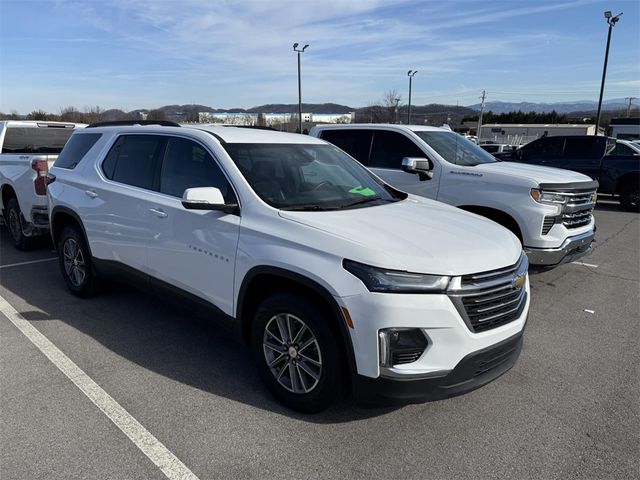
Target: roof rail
{"points": [[123, 123]]}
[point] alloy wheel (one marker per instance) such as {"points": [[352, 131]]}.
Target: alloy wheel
{"points": [[74, 265], [14, 225], [292, 353]]}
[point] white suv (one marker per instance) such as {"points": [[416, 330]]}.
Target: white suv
{"points": [[332, 276]]}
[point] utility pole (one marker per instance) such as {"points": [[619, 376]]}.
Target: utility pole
{"points": [[479, 129], [410, 74], [299, 51], [611, 21], [629, 100]]}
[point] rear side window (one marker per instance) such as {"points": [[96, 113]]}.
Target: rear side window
{"points": [[134, 160], [25, 140], [544, 149], [356, 143], [583, 148], [188, 165], [75, 149], [389, 148], [622, 150]]}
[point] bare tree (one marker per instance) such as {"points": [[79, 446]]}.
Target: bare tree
{"points": [[156, 115], [71, 114], [41, 115], [391, 103], [92, 114]]}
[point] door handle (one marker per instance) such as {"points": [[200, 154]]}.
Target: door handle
{"points": [[158, 212], [91, 193]]}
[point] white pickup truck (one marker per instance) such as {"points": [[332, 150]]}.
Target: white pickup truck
{"points": [[27, 150], [548, 209]]}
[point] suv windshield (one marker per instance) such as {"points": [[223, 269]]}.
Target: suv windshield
{"points": [[308, 177], [455, 148]]}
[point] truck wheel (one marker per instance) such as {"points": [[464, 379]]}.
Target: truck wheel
{"points": [[296, 352], [630, 197], [12, 215], [75, 262]]}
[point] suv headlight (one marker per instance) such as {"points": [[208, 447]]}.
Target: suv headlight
{"points": [[541, 196], [396, 281]]}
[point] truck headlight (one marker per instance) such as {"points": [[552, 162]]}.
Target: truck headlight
{"points": [[541, 196], [396, 281]]}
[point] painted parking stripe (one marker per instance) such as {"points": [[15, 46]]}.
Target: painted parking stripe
{"points": [[166, 461], [590, 265], [28, 263]]}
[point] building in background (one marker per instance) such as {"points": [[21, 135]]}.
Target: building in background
{"points": [[519, 134], [625, 128]]}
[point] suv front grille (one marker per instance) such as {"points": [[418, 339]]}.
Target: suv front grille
{"points": [[576, 212], [491, 299]]}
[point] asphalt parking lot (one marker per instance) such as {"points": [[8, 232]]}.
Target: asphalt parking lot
{"points": [[570, 408]]}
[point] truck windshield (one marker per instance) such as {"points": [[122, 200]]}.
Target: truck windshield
{"points": [[308, 177], [455, 148]]}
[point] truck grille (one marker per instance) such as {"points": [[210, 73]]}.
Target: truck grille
{"points": [[577, 219], [576, 212], [491, 299]]}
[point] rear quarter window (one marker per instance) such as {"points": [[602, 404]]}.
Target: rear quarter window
{"points": [[75, 149], [31, 140]]}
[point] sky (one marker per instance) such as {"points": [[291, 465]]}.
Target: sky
{"points": [[131, 54]]}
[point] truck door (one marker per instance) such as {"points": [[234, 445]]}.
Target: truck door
{"points": [[387, 151]]}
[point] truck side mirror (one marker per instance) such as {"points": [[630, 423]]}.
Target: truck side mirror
{"points": [[421, 166]]}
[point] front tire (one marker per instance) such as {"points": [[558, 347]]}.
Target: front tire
{"points": [[297, 353], [75, 262], [630, 197], [14, 223]]}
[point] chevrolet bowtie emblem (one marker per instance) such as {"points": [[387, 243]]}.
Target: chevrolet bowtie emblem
{"points": [[518, 282]]}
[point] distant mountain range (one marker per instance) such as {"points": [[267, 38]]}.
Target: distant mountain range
{"points": [[560, 107]]}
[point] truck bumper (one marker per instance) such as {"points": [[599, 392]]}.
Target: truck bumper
{"points": [[473, 371], [571, 249]]}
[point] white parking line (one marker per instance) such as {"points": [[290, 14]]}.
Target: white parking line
{"points": [[585, 264], [28, 263], [170, 465]]}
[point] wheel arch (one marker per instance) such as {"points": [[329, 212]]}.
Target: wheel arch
{"points": [[499, 216], [6, 192], [261, 281], [626, 179], [62, 217]]}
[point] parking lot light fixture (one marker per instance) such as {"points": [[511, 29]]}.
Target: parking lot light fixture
{"points": [[299, 51], [611, 20], [410, 74]]}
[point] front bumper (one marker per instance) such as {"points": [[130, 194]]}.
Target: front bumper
{"points": [[571, 249], [472, 372]]}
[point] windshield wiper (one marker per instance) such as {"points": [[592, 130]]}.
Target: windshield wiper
{"points": [[360, 202], [308, 208]]}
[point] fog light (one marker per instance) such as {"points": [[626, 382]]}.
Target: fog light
{"points": [[401, 345]]}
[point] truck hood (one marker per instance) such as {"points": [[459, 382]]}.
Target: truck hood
{"points": [[416, 235], [535, 173]]}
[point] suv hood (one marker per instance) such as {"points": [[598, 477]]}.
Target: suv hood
{"points": [[535, 173], [416, 235]]}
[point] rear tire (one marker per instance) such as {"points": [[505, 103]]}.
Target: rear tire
{"points": [[14, 224], [630, 197], [75, 262], [297, 353]]}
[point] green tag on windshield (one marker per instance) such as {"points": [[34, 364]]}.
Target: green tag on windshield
{"points": [[365, 192]]}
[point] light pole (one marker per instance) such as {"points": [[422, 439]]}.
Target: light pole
{"points": [[410, 74], [299, 51], [629, 100], [397, 100], [611, 21]]}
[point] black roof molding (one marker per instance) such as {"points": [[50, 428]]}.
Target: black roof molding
{"points": [[124, 123]]}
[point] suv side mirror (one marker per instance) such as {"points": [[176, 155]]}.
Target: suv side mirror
{"points": [[207, 198], [421, 166]]}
